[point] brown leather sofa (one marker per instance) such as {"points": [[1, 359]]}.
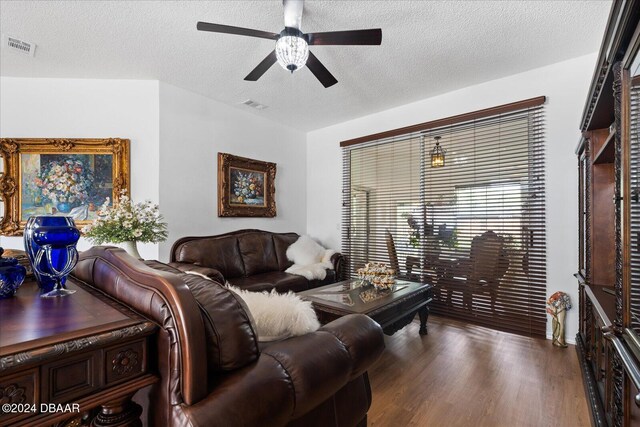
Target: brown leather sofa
{"points": [[254, 260], [212, 371]]}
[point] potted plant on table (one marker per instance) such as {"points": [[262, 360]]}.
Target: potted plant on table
{"points": [[127, 223]]}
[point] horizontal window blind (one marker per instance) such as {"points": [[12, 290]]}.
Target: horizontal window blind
{"points": [[634, 176], [474, 227]]}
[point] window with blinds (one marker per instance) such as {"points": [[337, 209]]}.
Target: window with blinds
{"points": [[634, 184], [474, 227]]}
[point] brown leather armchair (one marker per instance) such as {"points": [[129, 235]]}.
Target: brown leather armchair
{"points": [[211, 368], [254, 260]]}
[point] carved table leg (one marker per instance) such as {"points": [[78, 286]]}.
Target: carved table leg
{"points": [[119, 413], [424, 315]]}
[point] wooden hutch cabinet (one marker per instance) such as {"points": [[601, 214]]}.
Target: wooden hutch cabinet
{"points": [[608, 342]]}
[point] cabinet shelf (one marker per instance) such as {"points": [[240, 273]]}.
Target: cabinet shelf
{"points": [[606, 154]]}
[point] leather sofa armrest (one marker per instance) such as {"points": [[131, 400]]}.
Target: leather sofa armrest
{"points": [[211, 273], [361, 336], [322, 362], [259, 394], [317, 365], [293, 376], [338, 261]]}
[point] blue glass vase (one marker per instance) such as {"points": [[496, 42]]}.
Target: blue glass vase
{"points": [[50, 242], [12, 275]]}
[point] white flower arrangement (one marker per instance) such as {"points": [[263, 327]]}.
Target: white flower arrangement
{"points": [[127, 221]]}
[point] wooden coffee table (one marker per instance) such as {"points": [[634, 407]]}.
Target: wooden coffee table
{"points": [[393, 310]]}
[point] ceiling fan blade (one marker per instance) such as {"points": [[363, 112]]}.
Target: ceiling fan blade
{"points": [[262, 67], [228, 29], [293, 13], [354, 37], [320, 71]]}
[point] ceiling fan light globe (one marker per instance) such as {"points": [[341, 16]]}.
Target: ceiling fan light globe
{"points": [[292, 52]]}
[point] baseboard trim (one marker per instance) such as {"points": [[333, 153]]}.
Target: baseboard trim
{"points": [[568, 340]]}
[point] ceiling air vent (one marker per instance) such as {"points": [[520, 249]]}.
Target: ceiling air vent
{"points": [[16, 45], [254, 104]]}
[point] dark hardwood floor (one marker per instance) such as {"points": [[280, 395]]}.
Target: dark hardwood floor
{"points": [[466, 375]]}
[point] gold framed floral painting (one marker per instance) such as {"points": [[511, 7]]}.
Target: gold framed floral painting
{"points": [[245, 187], [71, 176]]}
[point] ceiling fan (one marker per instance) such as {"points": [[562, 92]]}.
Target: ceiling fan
{"points": [[292, 45]]}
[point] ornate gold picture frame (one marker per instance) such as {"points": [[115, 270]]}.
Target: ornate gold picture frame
{"points": [[246, 187], [70, 176]]}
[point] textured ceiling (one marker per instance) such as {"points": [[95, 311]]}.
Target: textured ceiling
{"points": [[427, 48]]}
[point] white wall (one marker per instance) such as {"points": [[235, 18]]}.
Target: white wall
{"points": [[175, 137], [86, 108], [193, 129], [565, 84]]}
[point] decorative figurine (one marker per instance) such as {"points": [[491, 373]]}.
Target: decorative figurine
{"points": [[557, 306]]}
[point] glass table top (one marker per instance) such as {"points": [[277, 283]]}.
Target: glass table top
{"points": [[345, 292]]}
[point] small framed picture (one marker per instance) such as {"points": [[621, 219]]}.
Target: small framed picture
{"points": [[246, 187]]}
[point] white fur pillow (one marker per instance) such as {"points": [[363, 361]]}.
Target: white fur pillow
{"points": [[278, 316], [305, 251]]}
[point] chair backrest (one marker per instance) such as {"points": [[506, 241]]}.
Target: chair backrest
{"points": [[489, 261], [391, 249]]}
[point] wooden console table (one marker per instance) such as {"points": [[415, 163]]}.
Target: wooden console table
{"points": [[71, 361]]}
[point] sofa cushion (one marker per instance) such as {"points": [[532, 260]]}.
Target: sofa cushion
{"points": [[221, 253], [285, 282], [231, 339], [281, 242], [258, 253], [282, 282], [251, 284]]}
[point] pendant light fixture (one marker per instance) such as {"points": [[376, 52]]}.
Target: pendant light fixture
{"points": [[437, 154]]}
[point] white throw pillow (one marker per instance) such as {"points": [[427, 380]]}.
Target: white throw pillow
{"points": [[279, 316], [305, 251]]}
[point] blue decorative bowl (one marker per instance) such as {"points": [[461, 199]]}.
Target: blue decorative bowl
{"points": [[12, 275]]}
